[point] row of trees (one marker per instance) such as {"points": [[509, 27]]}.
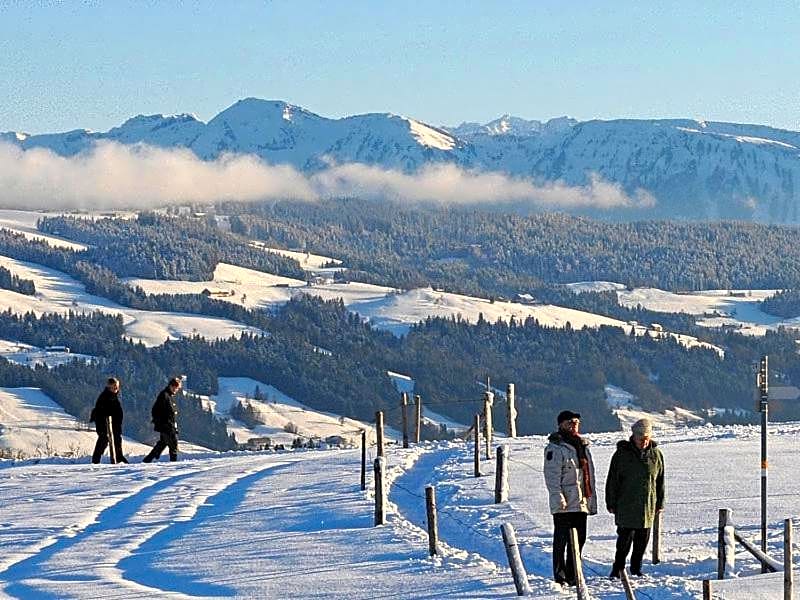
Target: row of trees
{"points": [[9, 281]]}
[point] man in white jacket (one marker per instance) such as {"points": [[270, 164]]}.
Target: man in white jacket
{"points": [[569, 476]]}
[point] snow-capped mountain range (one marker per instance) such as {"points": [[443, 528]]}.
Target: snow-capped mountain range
{"points": [[694, 169]]}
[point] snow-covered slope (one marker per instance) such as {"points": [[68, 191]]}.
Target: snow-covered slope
{"points": [[57, 292], [281, 418], [696, 169]]}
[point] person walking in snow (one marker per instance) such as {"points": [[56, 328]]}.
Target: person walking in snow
{"points": [[165, 415], [569, 477], [634, 494], [108, 405]]}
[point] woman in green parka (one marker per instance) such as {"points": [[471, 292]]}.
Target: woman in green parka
{"points": [[634, 494]]}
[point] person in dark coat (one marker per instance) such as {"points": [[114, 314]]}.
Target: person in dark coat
{"points": [[165, 415], [108, 405], [634, 494], [569, 477]]}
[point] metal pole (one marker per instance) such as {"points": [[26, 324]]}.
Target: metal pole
{"points": [[763, 406]]}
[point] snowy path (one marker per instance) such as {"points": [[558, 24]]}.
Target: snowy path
{"points": [[296, 524]]}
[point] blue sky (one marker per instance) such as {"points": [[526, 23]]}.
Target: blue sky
{"points": [[65, 65]]}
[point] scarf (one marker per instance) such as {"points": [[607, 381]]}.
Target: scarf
{"points": [[576, 442]]}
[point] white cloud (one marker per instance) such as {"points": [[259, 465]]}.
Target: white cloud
{"points": [[112, 175]]}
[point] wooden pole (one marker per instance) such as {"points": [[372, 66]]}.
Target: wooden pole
{"points": [[626, 584], [379, 431], [580, 580], [418, 428], [477, 427], [363, 459], [708, 589], [657, 537], [380, 491], [433, 521], [512, 411], [724, 520], [788, 561], [514, 560], [488, 400], [404, 413], [501, 475], [112, 449]]}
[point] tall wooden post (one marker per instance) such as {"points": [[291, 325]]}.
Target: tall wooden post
{"points": [[363, 459], [488, 400], [380, 491], [477, 428], [511, 426], [404, 414], [722, 547], [112, 448], [379, 431], [788, 561], [418, 428], [657, 537], [433, 522], [501, 475], [514, 560]]}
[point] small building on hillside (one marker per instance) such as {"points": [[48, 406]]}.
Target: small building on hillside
{"points": [[258, 443]]}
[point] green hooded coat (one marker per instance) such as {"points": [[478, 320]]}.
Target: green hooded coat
{"points": [[635, 485]]}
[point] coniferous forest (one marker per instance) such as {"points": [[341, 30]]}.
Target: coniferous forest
{"points": [[489, 254]]}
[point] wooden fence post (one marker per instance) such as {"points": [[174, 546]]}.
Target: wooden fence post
{"points": [[580, 580], [708, 589], [514, 560], [657, 537], [112, 449], [626, 584], [380, 491], [512, 411], [418, 428], [501, 475], [722, 546], [433, 521], [404, 414], [379, 431], [488, 400], [788, 561], [363, 459], [477, 427]]}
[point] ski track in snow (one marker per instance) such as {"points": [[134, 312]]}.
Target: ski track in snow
{"points": [[132, 524]]}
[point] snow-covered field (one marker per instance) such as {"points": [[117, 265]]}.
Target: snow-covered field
{"points": [[296, 524], [57, 292]]}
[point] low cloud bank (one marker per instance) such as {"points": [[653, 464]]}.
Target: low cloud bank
{"points": [[116, 176]]}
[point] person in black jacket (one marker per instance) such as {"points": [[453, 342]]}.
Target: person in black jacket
{"points": [[108, 405], [165, 413]]}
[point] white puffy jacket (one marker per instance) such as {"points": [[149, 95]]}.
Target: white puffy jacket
{"points": [[564, 478]]}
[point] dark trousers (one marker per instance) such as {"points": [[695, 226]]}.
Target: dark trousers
{"points": [[625, 538], [102, 444], [563, 565], [167, 439]]}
